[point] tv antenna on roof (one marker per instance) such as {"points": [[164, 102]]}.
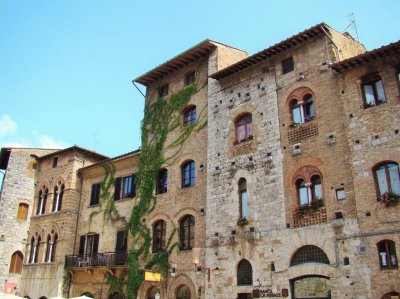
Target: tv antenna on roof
{"points": [[353, 24]]}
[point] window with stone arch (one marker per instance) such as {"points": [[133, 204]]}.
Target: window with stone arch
{"points": [[243, 199], [188, 174], [58, 196], [387, 179], [309, 254], [183, 292], [42, 199], [302, 107], [51, 247], [159, 236], [244, 273], [186, 232], [308, 185], [244, 128], [34, 248], [17, 259], [152, 293]]}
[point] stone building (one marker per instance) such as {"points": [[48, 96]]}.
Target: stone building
{"points": [[16, 205], [286, 186], [53, 220], [101, 246]]}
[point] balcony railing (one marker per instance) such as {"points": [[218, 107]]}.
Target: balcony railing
{"points": [[310, 217], [106, 259]]}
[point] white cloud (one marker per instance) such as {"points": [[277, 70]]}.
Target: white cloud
{"points": [[7, 125], [45, 141]]}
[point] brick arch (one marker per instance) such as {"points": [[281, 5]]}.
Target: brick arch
{"points": [[246, 108], [186, 211], [180, 280], [303, 162], [306, 173], [160, 216], [147, 286], [53, 226], [297, 94]]}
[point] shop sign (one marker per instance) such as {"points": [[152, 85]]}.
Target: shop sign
{"points": [[151, 276], [262, 293]]}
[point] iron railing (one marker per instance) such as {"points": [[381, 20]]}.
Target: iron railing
{"points": [[105, 259]]}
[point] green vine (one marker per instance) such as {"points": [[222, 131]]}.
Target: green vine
{"points": [[161, 116]]}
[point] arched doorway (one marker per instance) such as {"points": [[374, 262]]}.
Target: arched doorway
{"points": [[152, 293], [87, 294], [116, 295], [183, 293], [312, 286], [390, 295]]}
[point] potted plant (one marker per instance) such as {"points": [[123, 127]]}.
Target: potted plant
{"points": [[242, 221], [390, 199]]}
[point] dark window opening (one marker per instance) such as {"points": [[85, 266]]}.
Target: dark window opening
{"points": [[186, 232], [189, 78], [95, 195], [159, 236], [287, 65], [188, 174], [163, 91], [162, 182], [189, 116], [244, 273], [387, 254]]}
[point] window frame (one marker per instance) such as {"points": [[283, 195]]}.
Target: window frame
{"points": [[188, 173], [305, 106], [287, 65], [372, 80], [190, 78], [310, 187], [162, 181], [243, 200], [16, 262], [189, 116], [23, 210], [187, 226], [42, 200], [125, 187], [387, 177], [95, 194], [390, 251], [163, 90], [244, 121], [244, 273], [159, 236], [91, 240]]}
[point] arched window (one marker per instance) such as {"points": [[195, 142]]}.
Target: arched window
{"points": [[309, 254], [41, 208], [159, 236], [373, 91], [302, 110], [22, 211], [244, 273], [152, 293], [387, 254], [16, 262], [387, 178], [188, 174], [316, 188], [244, 128], [189, 116], [183, 293], [243, 204], [186, 232], [35, 248], [88, 294], [302, 192], [162, 181], [51, 246], [57, 197], [307, 193]]}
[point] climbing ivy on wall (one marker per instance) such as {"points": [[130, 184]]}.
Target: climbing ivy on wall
{"points": [[161, 116]]}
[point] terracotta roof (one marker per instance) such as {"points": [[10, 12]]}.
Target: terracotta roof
{"points": [[366, 57], [299, 38], [77, 148], [200, 50], [132, 153]]}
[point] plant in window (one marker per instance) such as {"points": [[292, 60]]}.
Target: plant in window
{"points": [[294, 124], [242, 221], [313, 206], [390, 199]]}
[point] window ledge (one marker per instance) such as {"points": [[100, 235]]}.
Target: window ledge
{"points": [[93, 206], [365, 106], [124, 199]]}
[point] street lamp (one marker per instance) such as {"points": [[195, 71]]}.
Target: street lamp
{"points": [[157, 295]]}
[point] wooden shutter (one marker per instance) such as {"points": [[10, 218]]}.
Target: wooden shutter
{"points": [[117, 191], [82, 245], [133, 185], [95, 243]]}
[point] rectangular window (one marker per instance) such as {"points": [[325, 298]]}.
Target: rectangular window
{"points": [[95, 195], [287, 65], [125, 187], [163, 91], [340, 194], [89, 244], [189, 79], [22, 211], [55, 162], [121, 247]]}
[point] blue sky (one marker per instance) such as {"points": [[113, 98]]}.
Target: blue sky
{"points": [[66, 66]]}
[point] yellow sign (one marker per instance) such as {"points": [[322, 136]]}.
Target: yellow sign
{"points": [[150, 276]]}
